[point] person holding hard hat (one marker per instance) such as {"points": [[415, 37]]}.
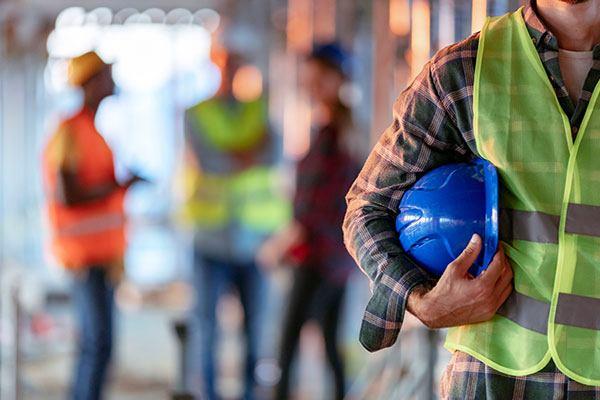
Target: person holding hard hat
{"points": [[523, 95], [87, 220]]}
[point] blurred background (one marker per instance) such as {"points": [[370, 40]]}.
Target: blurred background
{"points": [[162, 65]]}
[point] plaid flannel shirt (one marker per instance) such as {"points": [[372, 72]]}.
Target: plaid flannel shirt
{"points": [[319, 202], [467, 378], [432, 125]]}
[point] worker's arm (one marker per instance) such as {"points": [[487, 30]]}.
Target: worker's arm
{"points": [[268, 151], [432, 126], [68, 189]]}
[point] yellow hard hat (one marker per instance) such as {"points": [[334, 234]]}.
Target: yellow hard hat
{"points": [[84, 67]]}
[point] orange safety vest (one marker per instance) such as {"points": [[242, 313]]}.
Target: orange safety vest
{"points": [[90, 233]]}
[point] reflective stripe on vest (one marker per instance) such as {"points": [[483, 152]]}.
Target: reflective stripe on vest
{"points": [[250, 198], [550, 213], [207, 202], [583, 220], [578, 311], [94, 224], [532, 226], [540, 227], [571, 310], [259, 205], [526, 311]]}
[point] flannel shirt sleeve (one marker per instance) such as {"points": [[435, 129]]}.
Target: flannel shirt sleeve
{"points": [[422, 136]]}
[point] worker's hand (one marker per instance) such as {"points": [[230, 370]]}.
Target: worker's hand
{"points": [[133, 180], [273, 252], [269, 255], [458, 298], [116, 271]]}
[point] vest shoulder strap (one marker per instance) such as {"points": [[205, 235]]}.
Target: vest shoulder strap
{"points": [[236, 127]]}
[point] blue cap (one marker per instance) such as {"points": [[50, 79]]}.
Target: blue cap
{"points": [[440, 213], [334, 55]]}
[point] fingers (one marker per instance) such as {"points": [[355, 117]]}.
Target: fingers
{"points": [[468, 256], [495, 268], [505, 278], [504, 295]]}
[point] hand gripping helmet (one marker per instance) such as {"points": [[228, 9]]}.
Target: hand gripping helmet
{"points": [[440, 213]]}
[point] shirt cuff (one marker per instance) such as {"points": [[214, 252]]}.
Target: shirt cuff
{"points": [[385, 311]]}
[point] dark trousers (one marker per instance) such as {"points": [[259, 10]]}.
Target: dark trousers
{"points": [[212, 279], [93, 296], [311, 295]]}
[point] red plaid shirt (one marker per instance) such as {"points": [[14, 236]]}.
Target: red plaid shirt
{"points": [[324, 176]]}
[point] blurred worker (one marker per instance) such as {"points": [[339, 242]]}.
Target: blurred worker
{"points": [[233, 204], [314, 241], [85, 209], [523, 94]]}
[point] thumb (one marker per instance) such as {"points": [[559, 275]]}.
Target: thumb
{"points": [[465, 260]]}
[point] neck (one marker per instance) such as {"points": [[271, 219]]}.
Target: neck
{"points": [[576, 26], [92, 105], [225, 89], [324, 112]]}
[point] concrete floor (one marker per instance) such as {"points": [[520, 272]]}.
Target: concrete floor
{"points": [[144, 370], [146, 360], [146, 356], [141, 369]]}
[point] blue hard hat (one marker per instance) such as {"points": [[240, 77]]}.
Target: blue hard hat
{"points": [[440, 213], [333, 54]]}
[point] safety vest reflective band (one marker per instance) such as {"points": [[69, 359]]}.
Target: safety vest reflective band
{"points": [[571, 309], [550, 218], [259, 203], [526, 311], [93, 224], [583, 219], [250, 198], [532, 226], [207, 203], [543, 228]]}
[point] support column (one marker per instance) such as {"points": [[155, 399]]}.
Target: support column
{"points": [[324, 12], [478, 14], [420, 36], [384, 54], [296, 113]]}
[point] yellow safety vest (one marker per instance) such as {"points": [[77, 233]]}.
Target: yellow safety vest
{"points": [[252, 197], [550, 214]]}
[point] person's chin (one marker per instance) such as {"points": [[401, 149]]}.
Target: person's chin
{"points": [[573, 2]]}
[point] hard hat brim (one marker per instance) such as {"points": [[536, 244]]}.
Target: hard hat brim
{"points": [[490, 244]]}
